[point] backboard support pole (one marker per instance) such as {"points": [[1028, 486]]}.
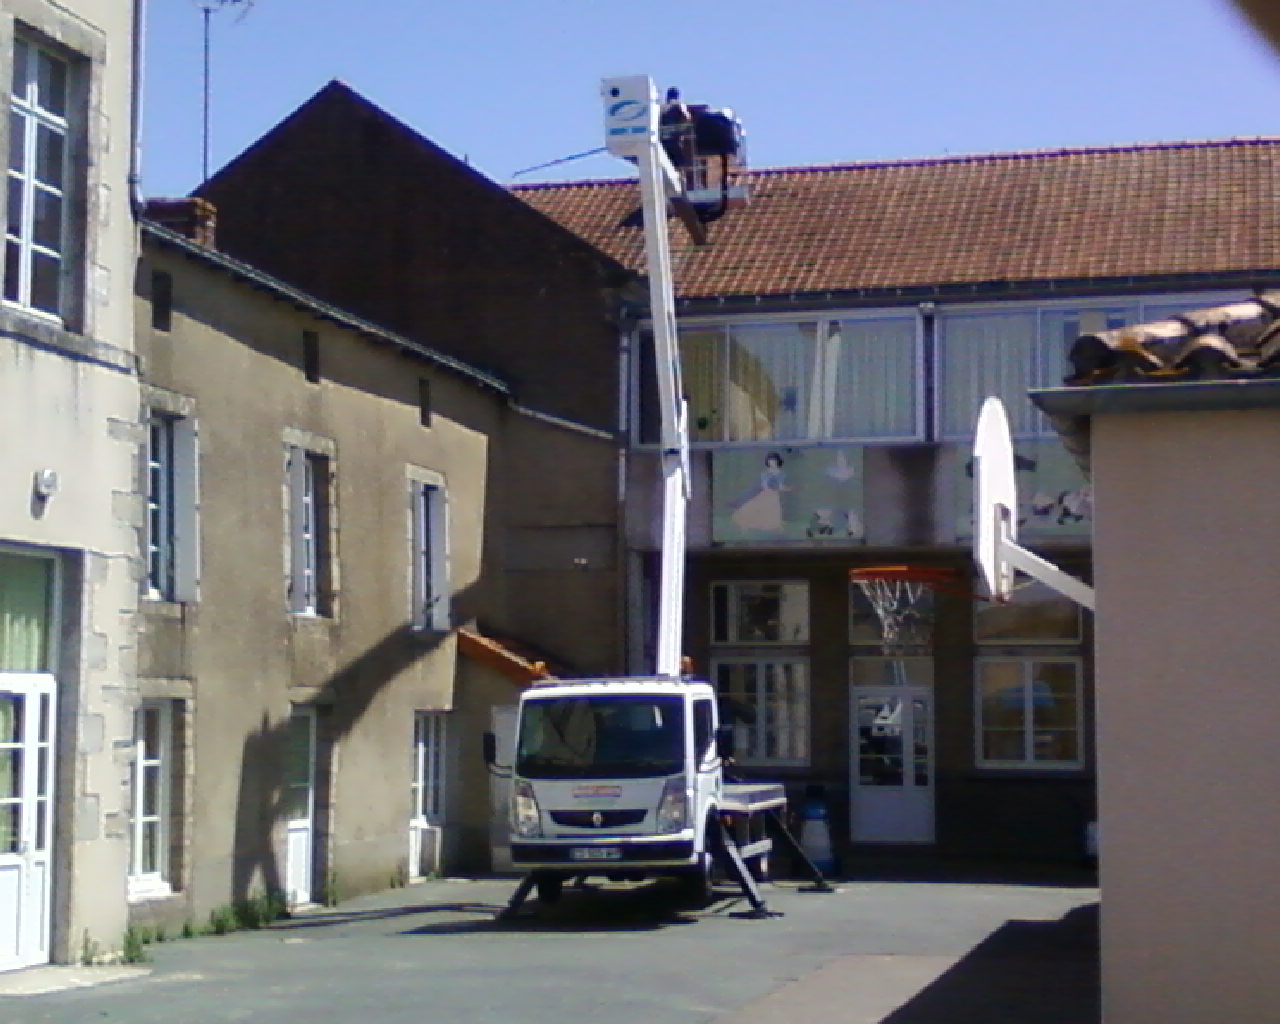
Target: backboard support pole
{"points": [[996, 551], [1015, 555]]}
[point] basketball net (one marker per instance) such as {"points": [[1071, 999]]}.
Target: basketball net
{"points": [[898, 603]]}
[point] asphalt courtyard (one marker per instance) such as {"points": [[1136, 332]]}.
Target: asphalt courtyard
{"points": [[873, 952]]}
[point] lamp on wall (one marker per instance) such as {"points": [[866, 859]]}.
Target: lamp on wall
{"points": [[45, 483]]}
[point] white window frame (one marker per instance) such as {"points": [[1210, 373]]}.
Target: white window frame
{"points": [[821, 322], [1028, 762], [154, 884], [430, 772], [429, 576], [172, 529], [793, 721], [27, 109], [733, 595], [310, 489]]}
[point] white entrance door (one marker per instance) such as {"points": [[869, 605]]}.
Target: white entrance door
{"points": [[26, 817], [892, 769], [502, 721], [427, 793], [300, 806]]}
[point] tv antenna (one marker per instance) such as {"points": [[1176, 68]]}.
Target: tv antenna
{"points": [[208, 8]]}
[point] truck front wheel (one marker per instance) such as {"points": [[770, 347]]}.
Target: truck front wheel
{"points": [[696, 882]]}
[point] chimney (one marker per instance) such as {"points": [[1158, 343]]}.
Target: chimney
{"points": [[190, 216]]}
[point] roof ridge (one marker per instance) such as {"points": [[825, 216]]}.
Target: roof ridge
{"points": [[945, 159], [1026, 154], [539, 186]]}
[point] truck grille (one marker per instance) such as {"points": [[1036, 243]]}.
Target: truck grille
{"points": [[597, 819]]}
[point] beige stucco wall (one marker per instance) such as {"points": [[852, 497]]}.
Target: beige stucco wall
{"points": [[68, 402], [236, 352], [559, 509], [481, 688], [1187, 710]]}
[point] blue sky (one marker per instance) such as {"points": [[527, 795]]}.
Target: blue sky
{"points": [[512, 83]]}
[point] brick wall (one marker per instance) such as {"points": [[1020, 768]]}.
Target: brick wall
{"points": [[345, 202]]}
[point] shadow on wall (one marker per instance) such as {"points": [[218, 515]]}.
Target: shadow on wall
{"points": [[264, 799], [1041, 971]]}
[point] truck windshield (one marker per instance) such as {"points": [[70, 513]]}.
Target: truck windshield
{"points": [[606, 736]]}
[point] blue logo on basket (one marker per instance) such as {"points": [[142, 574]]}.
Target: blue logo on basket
{"points": [[627, 110]]}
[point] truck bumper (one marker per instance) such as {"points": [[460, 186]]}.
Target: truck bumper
{"points": [[628, 852]]}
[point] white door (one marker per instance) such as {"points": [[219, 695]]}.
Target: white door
{"points": [[502, 721], [427, 793], [892, 769], [26, 817], [300, 801]]}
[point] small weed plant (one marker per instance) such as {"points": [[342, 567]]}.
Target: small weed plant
{"points": [[134, 947]]}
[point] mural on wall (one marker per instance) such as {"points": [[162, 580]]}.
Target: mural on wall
{"points": [[1054, 498], [790, 494]]}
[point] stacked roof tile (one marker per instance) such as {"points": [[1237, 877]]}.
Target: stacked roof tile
{"points": [[1142, 211], [1232, 342]]}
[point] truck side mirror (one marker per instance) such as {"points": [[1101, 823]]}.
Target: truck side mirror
{"points": [[724, 741], [490, 742]]}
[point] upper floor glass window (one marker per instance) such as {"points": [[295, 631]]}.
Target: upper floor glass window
{"points": [[36, 206], [429, 559], [747, 612], [310, 569], [817, 379]]}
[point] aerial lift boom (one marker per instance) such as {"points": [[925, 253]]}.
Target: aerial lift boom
{"points": [[632, 131], [625, 777]]}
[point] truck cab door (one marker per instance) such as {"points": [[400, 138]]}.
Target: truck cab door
{"points": [[706, 760]]}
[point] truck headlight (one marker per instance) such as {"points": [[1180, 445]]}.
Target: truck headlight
{"points": [[525, 820], [673, 808]]}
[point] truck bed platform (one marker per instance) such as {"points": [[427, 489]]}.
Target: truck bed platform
{"points": [[752, 797]]}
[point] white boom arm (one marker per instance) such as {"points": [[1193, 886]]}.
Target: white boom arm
{"points": [[631, 113]]}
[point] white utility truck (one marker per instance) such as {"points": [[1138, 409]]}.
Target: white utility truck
{"points": [[625, 777]]}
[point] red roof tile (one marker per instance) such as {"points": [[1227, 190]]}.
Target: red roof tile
{"points": [[1131, 211]]}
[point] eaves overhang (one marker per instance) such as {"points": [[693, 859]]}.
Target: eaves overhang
{"points": [[278, 289], [1174, 396], [1071, 410], [974, 291]]}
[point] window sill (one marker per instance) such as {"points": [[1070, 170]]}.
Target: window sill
{"points": [[162, 608], [309, 623], [39, 329], [1026, 771], [147, 890], [772, 765]]}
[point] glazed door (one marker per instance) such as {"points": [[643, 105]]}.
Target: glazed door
{"points": [[893, 764], [426, 793], [26, 817], [300, 804]]}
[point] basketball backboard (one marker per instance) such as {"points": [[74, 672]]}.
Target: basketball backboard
{"points": [[995, 498], [996, 550]]}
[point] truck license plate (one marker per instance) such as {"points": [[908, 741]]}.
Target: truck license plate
{"points": [[595, 853]]}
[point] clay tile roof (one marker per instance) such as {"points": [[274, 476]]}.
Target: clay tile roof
{"points": [[1118, 212]]}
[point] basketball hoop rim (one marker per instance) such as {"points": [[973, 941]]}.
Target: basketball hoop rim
{"points": [[935, 577]]}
